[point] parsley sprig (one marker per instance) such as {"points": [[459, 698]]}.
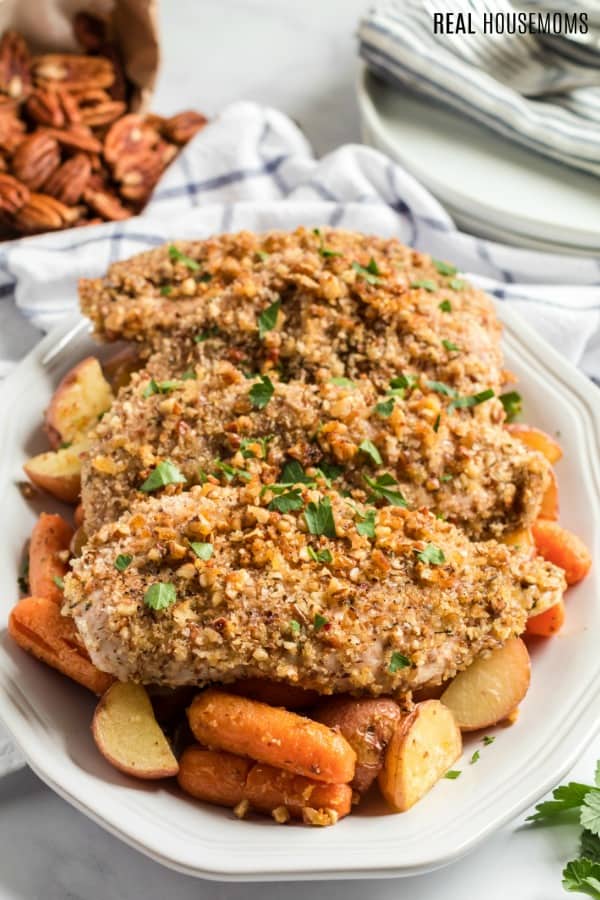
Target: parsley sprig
{"points": [[370, 272], [176, 255]]}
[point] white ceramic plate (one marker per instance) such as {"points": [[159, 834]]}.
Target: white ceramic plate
{"points": [[490, 186], [50, 717]]}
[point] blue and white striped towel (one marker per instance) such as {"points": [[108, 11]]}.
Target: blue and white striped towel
{"points": [[541, 93], [253, 169]]}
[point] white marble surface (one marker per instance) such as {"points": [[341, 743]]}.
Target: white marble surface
{"points": [[297, 55]]}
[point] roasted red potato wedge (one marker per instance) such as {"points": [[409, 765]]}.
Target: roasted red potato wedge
{"points": [[425, 744], [59, 471], [80, 399], [129, 737], [491, 688]]}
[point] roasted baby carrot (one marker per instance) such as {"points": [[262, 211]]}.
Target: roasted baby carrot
{"points": [[549, 507], [37, 626], [548, 622], [213, 775], [271, 735], [563, 548], [268, 789], [48, 556]]}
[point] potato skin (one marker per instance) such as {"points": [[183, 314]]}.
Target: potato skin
{"points": [[368, 725]]}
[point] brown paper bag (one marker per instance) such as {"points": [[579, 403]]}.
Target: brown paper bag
{"points": [[47, 27]]}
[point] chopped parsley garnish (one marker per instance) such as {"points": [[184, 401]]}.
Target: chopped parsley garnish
{"points": [[189, 375], [329, 471], [122, 562], [261, 392], [160, 595], [452, 774], [432, 555], [382, 489], [319, 622], [262, 255], [446, 477], [211, 332], [320, 556], [288, 501], [203, 551], [402, 383], [268, 318], [176, 255], [248, 445], [426, 283], [230, 472], [398, 661], [448, 345], [164, 473], [293, 473], [205, 277], [166, 289], [440, 388], [474, 758], [343, 382], [385, 408], [58, 581], [445, 306], [436, 424], [472, 400], [487, 740], [370, 273], [319, 518], [371, 450], [512, 403], [444, 268], [457, 284], [159, 387], [295, 626], [366, 523], [324, 251]]}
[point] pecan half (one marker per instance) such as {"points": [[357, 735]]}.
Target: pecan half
{"points": [[89, 31], [106, 204], [137, 174], [52, 107], [96, 108], [68, 182], [34, 160], [43, 213], [15, 65], [181, 128], [73, 72], [129, 135], [13, 194], [11, 132], [76, 137]]}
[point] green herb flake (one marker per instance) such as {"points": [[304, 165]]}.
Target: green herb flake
{"points": [[457, 284], [427, 284], [590, 845], [512, 403], [319, 518], [444, 268], [440, 388], [366, 523], [177, 256], [385, 408], [472, 400], [324, 251], [189, 375], [448, 345], [123, 561], [159, 387], [203, 551], [371, 451], [231, 472], [329, 471], [288, 501], [487, 740], [320, 556], [445, 306], [261, 392], [398, 661], [370, 273], [475, 757], [268, 318], [205, 335], [436, 424], [160, 595], [319, 622], [566, 797], [452, 774], [446, 477], [166, 289], [343, 382], [164, 473], [262, 255], [432, 555], [295, 626], [248, 447], [293, 473], [382, 489], [403, 383], [58, 581]]}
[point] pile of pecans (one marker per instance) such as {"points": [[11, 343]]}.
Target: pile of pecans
{"points": [[70, 152]]}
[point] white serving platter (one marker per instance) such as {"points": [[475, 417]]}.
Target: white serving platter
{"points": [[50, 717], [490, 186]]}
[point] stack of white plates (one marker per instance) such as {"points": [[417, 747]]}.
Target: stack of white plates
{"points": [[490, 187]]}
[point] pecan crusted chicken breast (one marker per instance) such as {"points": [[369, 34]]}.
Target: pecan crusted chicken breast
{"points": [[212, 586]]}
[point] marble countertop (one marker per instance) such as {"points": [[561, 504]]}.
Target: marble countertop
{"points": [[298, 55]]}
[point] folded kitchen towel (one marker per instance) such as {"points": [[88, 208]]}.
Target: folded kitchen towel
{"points": [[253, 169], [539, 90]]}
